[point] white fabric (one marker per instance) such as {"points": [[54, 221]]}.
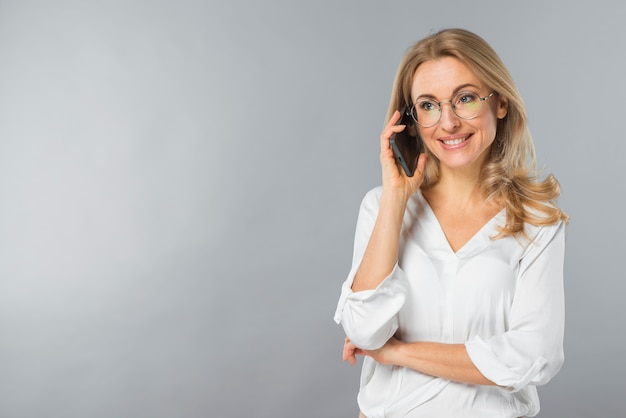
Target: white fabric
{"points": [[502, 298]]}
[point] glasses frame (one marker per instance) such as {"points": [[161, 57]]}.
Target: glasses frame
{"points": [[411, 110]]}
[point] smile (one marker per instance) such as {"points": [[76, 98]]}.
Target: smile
{"points": [[455, 141]]}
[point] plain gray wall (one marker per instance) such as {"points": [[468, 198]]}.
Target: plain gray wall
{"points": [[179, 184]]}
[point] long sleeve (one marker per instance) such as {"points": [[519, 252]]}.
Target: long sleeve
{"points": [[369, 318], [531, 351]]}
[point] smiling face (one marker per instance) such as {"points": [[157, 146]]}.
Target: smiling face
{"points": [[457, 143]]}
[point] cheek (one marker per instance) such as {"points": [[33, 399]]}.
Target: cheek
{"points": [[426, 136], [426, 133], [493, 126], [496, 114], [488, 125]]}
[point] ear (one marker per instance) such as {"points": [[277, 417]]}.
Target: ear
{"points": [[503, 108]]}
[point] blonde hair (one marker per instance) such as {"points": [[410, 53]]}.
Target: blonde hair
{"points": [[509, 175]]}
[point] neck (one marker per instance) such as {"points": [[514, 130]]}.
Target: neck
{"points": [[459, 187]]}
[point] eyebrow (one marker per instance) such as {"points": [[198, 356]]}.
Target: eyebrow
{"points": [[454, 92]]}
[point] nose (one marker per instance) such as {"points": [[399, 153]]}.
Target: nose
{"points": [[449, 120]]}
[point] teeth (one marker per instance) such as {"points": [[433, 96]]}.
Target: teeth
{"points": [[454, 141]]}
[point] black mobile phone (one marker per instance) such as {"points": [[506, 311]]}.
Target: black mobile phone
{"points": [[406, 147]]}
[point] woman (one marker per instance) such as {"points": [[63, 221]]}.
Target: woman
{"points": [[455, 297]]}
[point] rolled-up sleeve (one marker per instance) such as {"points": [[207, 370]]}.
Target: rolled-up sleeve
{"points": [[369, 318], [531, 351]]}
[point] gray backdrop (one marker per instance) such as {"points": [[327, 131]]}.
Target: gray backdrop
{"points": [[179, 184]]}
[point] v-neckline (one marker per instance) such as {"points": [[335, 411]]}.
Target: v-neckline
{"points": [[479, 237]]}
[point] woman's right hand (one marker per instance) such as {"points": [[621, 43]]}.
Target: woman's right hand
{"points": [[395, 179]]}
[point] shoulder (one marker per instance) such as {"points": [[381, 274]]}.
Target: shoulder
{"points": [[371, 200], [538, 237], [373, 194], [535, 232]]}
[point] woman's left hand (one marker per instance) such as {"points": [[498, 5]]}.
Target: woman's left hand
{"points": [[383, 355]]}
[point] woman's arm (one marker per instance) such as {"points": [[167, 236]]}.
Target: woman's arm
{"points": [[381, 253], [447, 361], [375, 289], [531, 350]]}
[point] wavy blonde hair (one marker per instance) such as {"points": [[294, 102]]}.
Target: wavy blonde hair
{"points": [[509, 175]]}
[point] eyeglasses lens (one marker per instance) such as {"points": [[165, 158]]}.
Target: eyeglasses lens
{"points": [[427, 112]]}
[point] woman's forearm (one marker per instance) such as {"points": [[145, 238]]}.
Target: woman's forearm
{"points": [[381, 253], [448, 361]]}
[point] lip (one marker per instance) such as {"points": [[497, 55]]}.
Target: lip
{"points": [[454, 146]]}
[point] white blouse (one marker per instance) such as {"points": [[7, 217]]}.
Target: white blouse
{"points": [[503, 298]]}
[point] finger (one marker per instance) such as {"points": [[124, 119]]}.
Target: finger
{"points": [[387, 133], [348, 350], [395, 117], [421, 164], [390, 129], [350, 357], [352, 360], [418, 176]]}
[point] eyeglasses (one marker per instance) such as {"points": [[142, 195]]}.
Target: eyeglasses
{"points": [[466, 105]]}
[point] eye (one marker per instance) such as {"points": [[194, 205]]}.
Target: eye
{"points": [[426, 106], [466, 99]]}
